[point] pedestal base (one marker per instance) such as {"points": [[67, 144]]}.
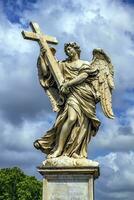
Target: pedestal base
{"points": [[65, 183]]}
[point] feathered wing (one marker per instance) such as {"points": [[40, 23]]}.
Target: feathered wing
{"points": [[48, 83], [104, 83]]}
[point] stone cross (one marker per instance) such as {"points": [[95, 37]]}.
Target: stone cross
{"points": [[36, 35], [43, 41]]}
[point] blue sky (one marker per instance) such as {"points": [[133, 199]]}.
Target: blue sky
{"points": [[25, 111]]}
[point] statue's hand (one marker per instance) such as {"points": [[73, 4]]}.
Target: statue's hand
{"points": [[64, 88], [42, 51]]}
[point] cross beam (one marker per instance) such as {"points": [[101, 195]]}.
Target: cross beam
{"points": [[37, 34], [43, 41]]}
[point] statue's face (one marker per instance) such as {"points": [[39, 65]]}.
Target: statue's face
{"points": [[70, 51]]}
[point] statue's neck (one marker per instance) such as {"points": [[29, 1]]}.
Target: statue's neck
{"points": [[75, 58]]}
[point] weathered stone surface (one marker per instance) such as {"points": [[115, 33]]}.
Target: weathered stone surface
{"points": [[68, 183], [65, 161]]}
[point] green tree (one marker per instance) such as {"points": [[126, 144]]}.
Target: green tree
{"points": [[29, 189], [15, 185]]}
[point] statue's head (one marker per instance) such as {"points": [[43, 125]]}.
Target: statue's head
{"points": [[72, 48]]}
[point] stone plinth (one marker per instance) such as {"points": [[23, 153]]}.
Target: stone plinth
{"points": [[68, 183]]}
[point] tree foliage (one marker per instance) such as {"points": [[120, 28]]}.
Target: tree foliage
{"points": [[15, 185]]}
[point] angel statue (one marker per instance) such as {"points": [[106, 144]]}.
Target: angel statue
{"points": [[74, 87], [85, 84]]}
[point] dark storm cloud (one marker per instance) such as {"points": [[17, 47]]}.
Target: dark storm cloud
{"points": [[17, 6], [27, 103]]}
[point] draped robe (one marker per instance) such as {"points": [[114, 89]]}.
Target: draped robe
{"points": [[82, 98]]}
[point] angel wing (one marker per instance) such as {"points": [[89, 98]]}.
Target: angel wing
{"points": [[104, 83], [47, 82]]}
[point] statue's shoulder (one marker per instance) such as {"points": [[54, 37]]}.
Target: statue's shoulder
{"points": [[79, 63], [63, 62]]}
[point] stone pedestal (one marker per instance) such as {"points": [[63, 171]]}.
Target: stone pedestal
{"points": [[68, 183]]}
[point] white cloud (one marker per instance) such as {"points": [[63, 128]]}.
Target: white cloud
{"points": [[117, 177], [17, 142], [114, 136], [19, 89], [92, 24], [20, 137]]}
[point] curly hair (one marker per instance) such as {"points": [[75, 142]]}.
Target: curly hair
{"points": [[73, 45]]}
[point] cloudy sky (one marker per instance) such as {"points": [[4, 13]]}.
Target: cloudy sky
{"points": [[25, 111]]}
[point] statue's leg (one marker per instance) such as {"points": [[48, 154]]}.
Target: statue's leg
{"points": [[65, 131]]}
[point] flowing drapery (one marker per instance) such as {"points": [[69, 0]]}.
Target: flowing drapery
{"points": [[82, 98]]}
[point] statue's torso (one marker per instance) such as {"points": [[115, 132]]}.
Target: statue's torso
{"points": [[71, 69]]}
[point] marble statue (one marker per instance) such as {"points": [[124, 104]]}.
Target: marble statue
{"points": [[74, 87]]}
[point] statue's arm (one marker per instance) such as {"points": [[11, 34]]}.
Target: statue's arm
{"points": [[79, 79]]}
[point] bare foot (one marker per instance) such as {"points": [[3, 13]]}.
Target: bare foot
{"points": [[75, 155], [55, 154]]}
